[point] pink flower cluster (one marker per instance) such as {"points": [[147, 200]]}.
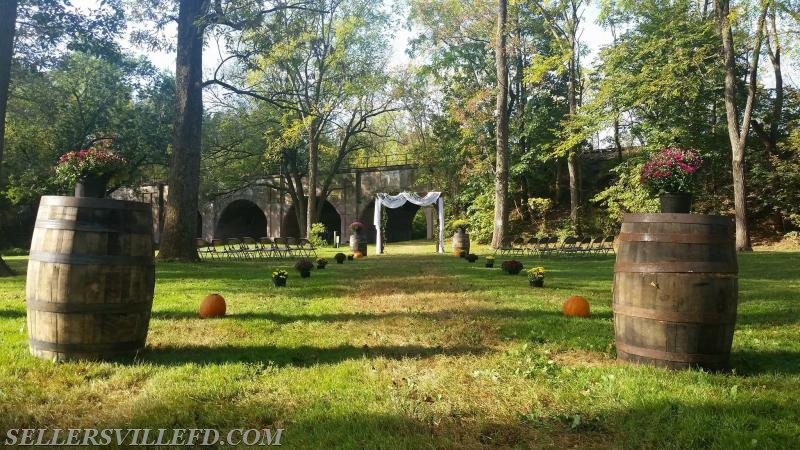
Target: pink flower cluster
{"points": [[75, 165], [356, 226], [671, 169], [99, 157]]}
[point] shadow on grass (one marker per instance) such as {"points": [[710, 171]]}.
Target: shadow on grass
{"points": [[681, 422], [304, 356], [498, 313], [384, 431], [765, 362], [11, 313], [768, 319]]}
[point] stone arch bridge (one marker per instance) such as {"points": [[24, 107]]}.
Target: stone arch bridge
{"points": [[263, 211]]}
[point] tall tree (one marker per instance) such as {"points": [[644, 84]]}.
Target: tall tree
{"points": [[180, 216], [8, 20], [322, 68], [769, 136], [738, 131], [563, 20], [501, 133]]}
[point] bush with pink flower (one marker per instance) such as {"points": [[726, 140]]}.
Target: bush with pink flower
{"points": [[671, 170], [92, 162], [356, 227]]}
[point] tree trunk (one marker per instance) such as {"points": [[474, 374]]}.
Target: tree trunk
{"points": [[501, 170], [617, 141], [572, 101], [736, 134], [8, 21], [180, 218], [774, 52], [313, 166]]}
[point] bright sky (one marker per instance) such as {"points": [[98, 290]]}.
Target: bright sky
{"points": [[593, 36]]}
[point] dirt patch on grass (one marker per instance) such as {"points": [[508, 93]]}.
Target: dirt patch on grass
{"points": [[582, 358]]}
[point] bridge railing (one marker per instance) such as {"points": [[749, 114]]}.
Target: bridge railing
{"points": [[379, 161]]}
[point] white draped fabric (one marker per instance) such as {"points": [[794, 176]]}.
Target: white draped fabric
{"points": [[396, 201]]}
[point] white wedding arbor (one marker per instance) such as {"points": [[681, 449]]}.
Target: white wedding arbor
{"points": [[396, 201]]}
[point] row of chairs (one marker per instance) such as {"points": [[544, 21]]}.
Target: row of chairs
{"points": [[549, 246], [247, 248]]}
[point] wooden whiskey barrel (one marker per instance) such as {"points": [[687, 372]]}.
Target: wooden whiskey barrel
{"points": [[358, 243], [675, 290], [90, 278], [460, 241]]}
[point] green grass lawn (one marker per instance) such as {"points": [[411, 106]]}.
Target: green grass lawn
{"points": [[416, 350]]}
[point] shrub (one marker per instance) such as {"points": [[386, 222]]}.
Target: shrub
{"points": [[317, 236], [304, 265]]}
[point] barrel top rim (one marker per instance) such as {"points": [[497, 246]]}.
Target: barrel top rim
{"points": [[91, 202], [677, 218]]}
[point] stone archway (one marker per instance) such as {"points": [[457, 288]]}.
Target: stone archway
{"points": [[330, 218], [241, 218]]}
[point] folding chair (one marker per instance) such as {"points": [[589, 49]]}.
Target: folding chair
{"points": [[596, 246], [204, 249], [505, 247], [294, 244], [283, 246], [547, 245], [569, 246], [308, 247], [518, 246], [221, 249], [532, 246], [251, 248], [608, 245], [235, 248], [583, 246], [268, 247]]}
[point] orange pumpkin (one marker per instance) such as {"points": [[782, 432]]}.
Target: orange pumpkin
{"points": [[576, 306], [212, 306], [358, 255]]}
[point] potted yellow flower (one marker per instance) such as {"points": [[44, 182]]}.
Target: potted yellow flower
{"points": [[536, 276]]}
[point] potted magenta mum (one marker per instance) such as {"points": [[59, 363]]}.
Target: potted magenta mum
{"points": [[304, 266], [512, 267], [89, 170], [671, 174]]}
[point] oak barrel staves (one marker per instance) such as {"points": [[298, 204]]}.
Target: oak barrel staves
{"points": [[90, 278], [675, 290]]}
